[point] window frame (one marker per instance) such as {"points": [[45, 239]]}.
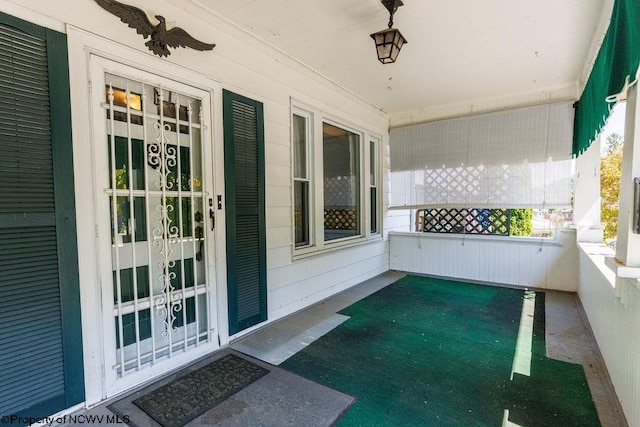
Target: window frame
{"points": [[315, 164], [362, 211], [309, 121], [374, 183]]}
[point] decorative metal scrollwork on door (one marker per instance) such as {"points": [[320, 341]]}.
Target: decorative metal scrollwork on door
{"points": [[155, 155], [162, 157]]}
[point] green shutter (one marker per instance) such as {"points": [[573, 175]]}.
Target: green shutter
{"points": [[245, 211], [40, 339]]}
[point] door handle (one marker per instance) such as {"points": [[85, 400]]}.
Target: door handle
{"points": [[212, 215], [200, 237]]}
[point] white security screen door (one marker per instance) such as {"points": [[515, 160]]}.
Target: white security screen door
{"points": [[154, 176]]}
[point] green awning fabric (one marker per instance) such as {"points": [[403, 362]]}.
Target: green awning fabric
{"points": [[618, 58]]}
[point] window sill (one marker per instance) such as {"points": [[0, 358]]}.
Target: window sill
{"points": [[311, 251]]}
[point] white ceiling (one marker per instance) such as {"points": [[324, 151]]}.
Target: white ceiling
{"points": [[457, 51]]}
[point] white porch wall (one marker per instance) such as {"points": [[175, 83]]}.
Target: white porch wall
{"points": [[521, 261], [613, 309]]}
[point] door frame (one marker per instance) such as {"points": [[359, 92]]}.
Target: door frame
{"points": [[92, 257], [99, 67]]}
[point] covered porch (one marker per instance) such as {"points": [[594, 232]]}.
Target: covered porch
{"points": [[260, 191]]}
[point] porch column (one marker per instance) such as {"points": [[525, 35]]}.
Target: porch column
{"points": [[628, 244], [586, 196]]}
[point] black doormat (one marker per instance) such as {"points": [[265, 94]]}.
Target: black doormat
{"points": [[188, 397]]}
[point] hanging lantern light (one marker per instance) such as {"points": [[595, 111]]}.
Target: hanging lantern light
{"points": [[389, 41]]}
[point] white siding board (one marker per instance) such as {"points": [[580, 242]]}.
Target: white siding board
{"points": [[277, 134], [397, 225], [287, 299], [472, 266], [285, 310], [257, 87], [397, 220], [316, 267], [398, 213], [279, 155], [561, 277], [34, 17], [276, 258], [500, 262], [348, 110], [278, 176], [278, 195], [386, 158], [278, 237], [278, 111], [351, 107], [278, 216], [513, 267]]}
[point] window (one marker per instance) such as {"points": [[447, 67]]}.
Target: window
{"points": [[335, 176], [341, 178], [301, 181], [373, 185]]}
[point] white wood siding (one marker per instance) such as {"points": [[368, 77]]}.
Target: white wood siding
{"points": [[613, 310], [541, 263], [310, 280], [398, 220], [245, 65]]}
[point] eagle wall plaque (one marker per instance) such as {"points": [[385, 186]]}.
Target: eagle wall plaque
{"points": [[161, 39]]}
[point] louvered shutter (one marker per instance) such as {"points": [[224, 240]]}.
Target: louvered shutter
{"points": [[245, 211], [32, 350]]}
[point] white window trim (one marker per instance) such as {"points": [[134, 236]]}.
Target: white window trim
{"points": [[318, 245], [377, 141], [309, 159]]}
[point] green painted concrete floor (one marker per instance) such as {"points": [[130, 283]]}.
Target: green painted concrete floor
{"points": [[567, 336]]}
